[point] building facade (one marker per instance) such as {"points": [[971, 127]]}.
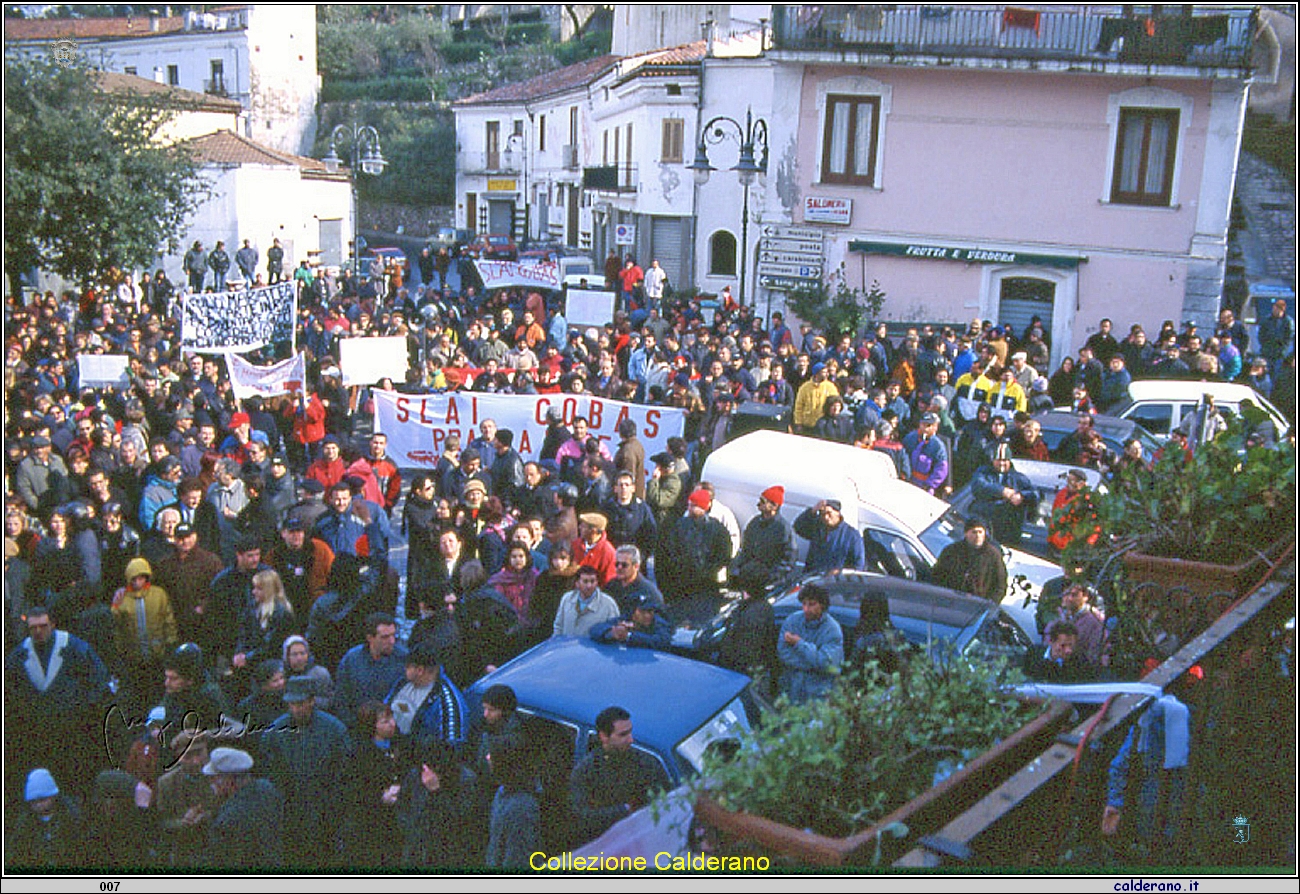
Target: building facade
{"points": [[263, 56], [1001, 162]]}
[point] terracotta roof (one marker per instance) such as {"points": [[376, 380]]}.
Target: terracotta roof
{"points": [[552, 82], [227, 147], [90, 29], [682, 55], [115, 82]]}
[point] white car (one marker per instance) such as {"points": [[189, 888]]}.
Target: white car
{"points": [[1160, 405]]}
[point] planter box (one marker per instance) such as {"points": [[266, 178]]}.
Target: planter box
{"points": [[1221, 584], [926, 813]]}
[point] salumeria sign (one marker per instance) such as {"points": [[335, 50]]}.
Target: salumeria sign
{"points": [[963, 253]]}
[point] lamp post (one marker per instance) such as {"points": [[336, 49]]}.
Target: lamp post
{"points": [[362, 145], [752, 138]]}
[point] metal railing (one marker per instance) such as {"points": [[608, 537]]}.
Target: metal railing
{"points": [[1209, 37], [621, 177]]}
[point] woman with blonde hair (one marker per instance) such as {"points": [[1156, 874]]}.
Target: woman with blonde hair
{"points": [[266, 623]]}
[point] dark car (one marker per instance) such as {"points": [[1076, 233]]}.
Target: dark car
{"points": [[493, 247], [1047, 478], [932, 618], [1058, 424], [679, 708]]}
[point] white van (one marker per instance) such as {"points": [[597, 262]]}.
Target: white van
{"points": [[1160, 405], [914, 526]]}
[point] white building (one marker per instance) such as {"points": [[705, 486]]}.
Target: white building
{"points": [[261, 55], [261, 194]]}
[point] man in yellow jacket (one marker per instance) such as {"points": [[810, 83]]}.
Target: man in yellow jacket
{"points": [[146, 631], [811, 399]]}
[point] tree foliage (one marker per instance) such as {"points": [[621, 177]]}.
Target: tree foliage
{"points": [[834, 308], [88, 187]]}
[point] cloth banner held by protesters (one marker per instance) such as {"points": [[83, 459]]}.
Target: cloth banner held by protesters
{"points": [[364, 361], [518, 274], [418, 424], [285, 377], [238, 321], [104, 371]]}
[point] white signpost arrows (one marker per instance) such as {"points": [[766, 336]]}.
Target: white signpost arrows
{"points": [[790, 256]]}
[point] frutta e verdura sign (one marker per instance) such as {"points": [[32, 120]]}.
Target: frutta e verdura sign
{"points": [[967, 254]]}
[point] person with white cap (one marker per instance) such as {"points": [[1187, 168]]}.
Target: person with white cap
{"points": [[245, 834]]}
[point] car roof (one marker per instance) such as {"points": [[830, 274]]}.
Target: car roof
{"points": [[1110, 426], [908, 599], [1182, 389], [1050, 475], [574, 678]]}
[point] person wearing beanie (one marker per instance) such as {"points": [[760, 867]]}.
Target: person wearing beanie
{"points": [[1004, 496], [592, 547], [693, 550], [48, 833], [810, 401], [767, 551], [973, 564], [146, 630]]}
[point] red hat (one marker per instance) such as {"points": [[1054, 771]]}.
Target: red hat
{"points": [[240, 419], [774, 494], [701, 498]]}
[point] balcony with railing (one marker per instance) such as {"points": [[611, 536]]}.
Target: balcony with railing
{"points": [[1198, 37], [620, 177], [487, 162]]}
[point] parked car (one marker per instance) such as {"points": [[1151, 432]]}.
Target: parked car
{"points": [[680, 708], [910, 525], [1047, 478], [1058, 424], [931, 618], [392, 257], [1161, 405], [450, 238], [493, 247]]}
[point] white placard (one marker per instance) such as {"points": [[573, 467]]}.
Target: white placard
{"points": [[364, 361], [103, 371], [523, 274], [589, 307]]}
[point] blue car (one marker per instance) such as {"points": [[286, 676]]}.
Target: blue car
{"points": [[680, 709]]}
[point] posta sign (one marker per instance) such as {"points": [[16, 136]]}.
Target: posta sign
{"points": [[417, 425]]}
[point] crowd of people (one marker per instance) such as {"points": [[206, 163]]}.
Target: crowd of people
{"points": [[214, 575]]}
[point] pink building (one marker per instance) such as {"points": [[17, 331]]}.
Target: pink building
{"points": [[1004, 162]]}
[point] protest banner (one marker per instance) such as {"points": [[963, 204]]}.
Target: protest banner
{"points": [[364, 361], [238, 321], [103, 371], [417, 425], [285, 377], [521, 274]]}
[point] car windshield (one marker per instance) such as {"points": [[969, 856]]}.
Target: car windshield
{"points": [[947, 528], [726, 725]]}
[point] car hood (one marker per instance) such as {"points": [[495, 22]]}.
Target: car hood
{"points": [[1022, 605]]}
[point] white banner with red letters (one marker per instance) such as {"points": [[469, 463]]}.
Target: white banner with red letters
{"points": [[417, 425], [520, 274], [285, 377]]}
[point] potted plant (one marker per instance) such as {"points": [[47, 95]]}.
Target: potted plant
{"points": [[1207, 522], [856, 777]]}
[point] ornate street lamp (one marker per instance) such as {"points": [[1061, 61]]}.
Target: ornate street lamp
{"points": [[752, 138], [361, 142]]}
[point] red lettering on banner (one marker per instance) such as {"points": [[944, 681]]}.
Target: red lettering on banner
{"points": [[652, 423], [402, 413], [570, 410], [453, 414], [423, 403], [473, 410], [622, 414], [539, 410], [438, 437], [525, 443], [421, 456], [595, 411]]}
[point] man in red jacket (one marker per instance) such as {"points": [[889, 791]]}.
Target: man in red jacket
{"points": [[329, 469], [390, 480]]}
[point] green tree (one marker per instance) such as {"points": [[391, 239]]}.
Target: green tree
{"points": [[88, 186], [834, 308]]}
